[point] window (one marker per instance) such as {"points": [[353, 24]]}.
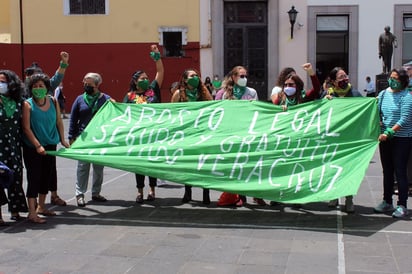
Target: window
{"points": [[332, 44], [79, 7], [173, 39], [407, 38]]}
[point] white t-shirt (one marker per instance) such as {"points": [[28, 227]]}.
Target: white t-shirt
{"points": [[276, 90]]}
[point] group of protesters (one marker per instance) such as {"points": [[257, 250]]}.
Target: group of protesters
{"points": [[31, 124]]}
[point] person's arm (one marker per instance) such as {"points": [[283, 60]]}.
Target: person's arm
{"points": [[59, 124], [175, 96], [59, 75], [275, 95], [159, 65], [74, 121], [315, 92]]}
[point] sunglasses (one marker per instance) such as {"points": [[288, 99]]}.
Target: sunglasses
{"points": [[243, 76]]}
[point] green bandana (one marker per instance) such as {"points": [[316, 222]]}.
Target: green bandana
{"points": [[9, 105], [291, 102], [191, 95], [340, 92], [91, 100], [238, 91]]}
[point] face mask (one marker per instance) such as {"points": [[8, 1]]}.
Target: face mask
{"points": [[289, 91], [394, 84], [194, 81], [88, 89], [3, 88], [242, 82], [39, 93], [143, 84], [343, 83]]}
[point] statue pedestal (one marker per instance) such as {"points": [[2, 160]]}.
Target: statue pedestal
{"points": [[381, 82]]}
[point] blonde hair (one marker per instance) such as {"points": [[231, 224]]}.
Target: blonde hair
{"points": [[228, 82]]}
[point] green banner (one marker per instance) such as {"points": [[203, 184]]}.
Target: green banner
{"points": [[315, 151]]}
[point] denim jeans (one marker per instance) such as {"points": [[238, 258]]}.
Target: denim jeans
{"points": [[83, 169], [394, 154]]}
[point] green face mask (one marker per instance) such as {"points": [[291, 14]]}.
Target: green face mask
{"points": [[194, 81], [39, 93], [143, 84], [394, 84]]}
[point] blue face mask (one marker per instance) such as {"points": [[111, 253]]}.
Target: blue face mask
{"points": [[4, 88]]}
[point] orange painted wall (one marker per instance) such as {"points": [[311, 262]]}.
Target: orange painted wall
{"points": [[115, 62]]}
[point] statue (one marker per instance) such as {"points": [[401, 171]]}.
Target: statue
{"points": [[386, 43]]}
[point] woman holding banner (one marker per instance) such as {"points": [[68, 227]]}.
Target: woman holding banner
{"points": [[293, 93], [141, 91], [235, 88], [192, 89], [395, 107], [339, 86], [43, 130], [84, 108]]}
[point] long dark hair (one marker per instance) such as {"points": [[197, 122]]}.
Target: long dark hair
{"points": [[299, 89], [283, 76], [14, 84], [135, 76], [330, 80], [203, 92]]}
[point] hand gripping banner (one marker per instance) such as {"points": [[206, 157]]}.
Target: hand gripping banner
{"points": [[315, 151]]}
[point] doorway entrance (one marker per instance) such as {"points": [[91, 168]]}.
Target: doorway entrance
{"points": [[245, 42]]}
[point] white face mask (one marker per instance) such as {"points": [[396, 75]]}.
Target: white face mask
{"points": [[289, 91], [3, 88], [242, 82]]}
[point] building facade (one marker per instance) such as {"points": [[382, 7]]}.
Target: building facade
{"points": [[113, 38]]}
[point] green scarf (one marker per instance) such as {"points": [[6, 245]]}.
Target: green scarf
{"points": [[191, 95], [340, 92], [91, 100], [9, 105], [238, 91], [291, 102]]}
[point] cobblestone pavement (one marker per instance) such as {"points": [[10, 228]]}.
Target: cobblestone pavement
{"points": [[165, 236]]}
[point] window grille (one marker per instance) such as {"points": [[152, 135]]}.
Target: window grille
{"points": [[87, 6]]}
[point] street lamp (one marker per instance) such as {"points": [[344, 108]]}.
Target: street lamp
{"points": [[292, 19]]}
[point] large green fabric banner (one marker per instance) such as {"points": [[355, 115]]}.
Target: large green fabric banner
{"points": [[313, 152]]}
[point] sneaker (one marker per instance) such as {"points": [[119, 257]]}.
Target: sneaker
{"points": [[400, 212], [383, 207], [80, 201], [99, 198]]}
